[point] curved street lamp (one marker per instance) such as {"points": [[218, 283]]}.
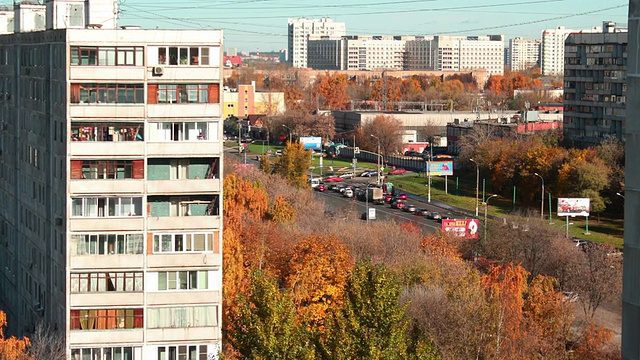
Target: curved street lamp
{"points": [[541, 197], [477, 183]]}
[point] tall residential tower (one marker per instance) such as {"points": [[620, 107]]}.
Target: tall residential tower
{"points": [[299, 31]]}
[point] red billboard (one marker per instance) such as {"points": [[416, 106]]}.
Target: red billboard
{"points": [[467, 228]]}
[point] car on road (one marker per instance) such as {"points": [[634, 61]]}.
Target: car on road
{"points": [[388, 198], [347, 175], [278, 152], [422, 212], [369, 173], [445, 217], [397, 204], [348, 193], [410, 208], [397, 171], [340, 188], [333, 179], [321, 187], [434, 215], [402, 196]]}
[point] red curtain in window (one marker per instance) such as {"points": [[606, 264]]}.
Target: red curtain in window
{"points": [[75, 320], [138, 169], [152, 94], [76, 169], [75, 93], [138, 322], [214, 93]]}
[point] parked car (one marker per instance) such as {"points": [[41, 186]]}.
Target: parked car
{"points": [[410, 208], [397, 171], [347, 175], [321, 188]]}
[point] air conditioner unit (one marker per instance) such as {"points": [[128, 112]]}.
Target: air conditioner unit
{"points": [[158, 70]]}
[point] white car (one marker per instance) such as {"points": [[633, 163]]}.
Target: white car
{"points": [[347, 193], [347, 175]]}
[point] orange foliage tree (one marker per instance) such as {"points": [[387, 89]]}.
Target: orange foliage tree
{"points": [[242, 199], [595, 344], [281, 211], [319, 267], [12, 348], [389, 84], [333, 89]]}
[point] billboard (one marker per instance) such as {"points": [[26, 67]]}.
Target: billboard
{"points": [[311, 142], [467, 228], [573, 206], [437, 168]]}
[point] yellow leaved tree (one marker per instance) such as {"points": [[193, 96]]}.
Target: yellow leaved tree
{"points": [[12, 348]]}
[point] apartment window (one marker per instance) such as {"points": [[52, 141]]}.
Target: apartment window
{"points": [[190, 56], [106, 244], [107, 169], [107, 56], [107, 94], [183, 280], [106, 319], [106, 206], [106, 281], [183, 131], [182, 352], [107, 131], [183, 242], [182, 317], [107, 353], [183, 93]]}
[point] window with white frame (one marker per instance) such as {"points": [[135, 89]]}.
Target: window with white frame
{"points": [[183, 280], [108, 353], [106, 244], [106, 206], [183, 131], [182, 242], [107, 281], [183, 55], [182, 317], [182, 352]]}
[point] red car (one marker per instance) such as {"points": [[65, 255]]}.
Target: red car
{"points": [[321, 188], [402, 196], [397, 171], [333, 179]]}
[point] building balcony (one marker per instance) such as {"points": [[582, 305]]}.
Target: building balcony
{"points": [[116, 261], [184, 260], [107, 299], [176, 111], [77, 338], [107, 111], [183, 298], [195, 334], [111, 149], [183, 223], [184, 148], [106, 187], [91, 224], [183, 186], [190, 73], [111, 73]]}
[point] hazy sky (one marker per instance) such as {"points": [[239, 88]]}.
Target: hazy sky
{"points": [[262, 24]]}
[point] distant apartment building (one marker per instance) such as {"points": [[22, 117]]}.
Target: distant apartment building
{"points": [[356, 52], [552, 50], [245, 101], [595, 86], [111, 183], [300, 29], [457, 53], [523, 54]]}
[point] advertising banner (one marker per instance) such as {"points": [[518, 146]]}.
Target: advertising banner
{"points": [[467, 228], [439, 168], [573, 206], [311, 142]]}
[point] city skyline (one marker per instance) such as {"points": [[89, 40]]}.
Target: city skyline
{"points": [[251, 25]]}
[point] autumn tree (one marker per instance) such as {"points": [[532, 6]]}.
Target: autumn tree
{"points": [[333, 90], [267, 326], [386, 128], [584, 176], [242, 198], [371, 324], [12, 348], [281, 211], [595, 344], [318, 270], [386, 88], [293, 164]]}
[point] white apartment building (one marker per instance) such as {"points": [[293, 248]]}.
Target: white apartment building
{"points": [[457, 53], [111, 184], [524, 53], [300, 29], [356, 53], [552, 50]]}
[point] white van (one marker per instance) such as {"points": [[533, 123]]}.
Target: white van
{"points": [[314, 183]]}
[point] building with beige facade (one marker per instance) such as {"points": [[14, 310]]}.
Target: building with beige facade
{"points": [[524, 53], [245, 100], [300, 29], [111, 180]]}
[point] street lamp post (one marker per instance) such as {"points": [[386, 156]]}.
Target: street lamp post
{"points": [[477, 183], [486, 208], [541, 197], [288, 128], [378, 161], [622, 196]]}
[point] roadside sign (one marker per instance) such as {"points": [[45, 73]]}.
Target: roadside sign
{"points": [[372, 213], [467, 228], [320, 161], [356, 150], [355, 162]]}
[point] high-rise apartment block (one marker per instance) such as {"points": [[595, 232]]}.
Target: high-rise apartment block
{"points": [[595, 85], [111, 183], [300, 29], [552, 50], [356, 52], [457, 53], [524, 54]]}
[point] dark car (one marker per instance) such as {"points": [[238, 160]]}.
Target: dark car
{"points": [[422, 212], [388, 198], [434, 215], [409, 208], [397, 204], [444, 217]]}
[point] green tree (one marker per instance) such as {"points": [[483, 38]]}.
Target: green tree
{"points": [[266, 324], [371, 324], [293, 164]]}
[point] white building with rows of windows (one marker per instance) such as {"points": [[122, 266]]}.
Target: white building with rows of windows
{"points": [[111, 183]]}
